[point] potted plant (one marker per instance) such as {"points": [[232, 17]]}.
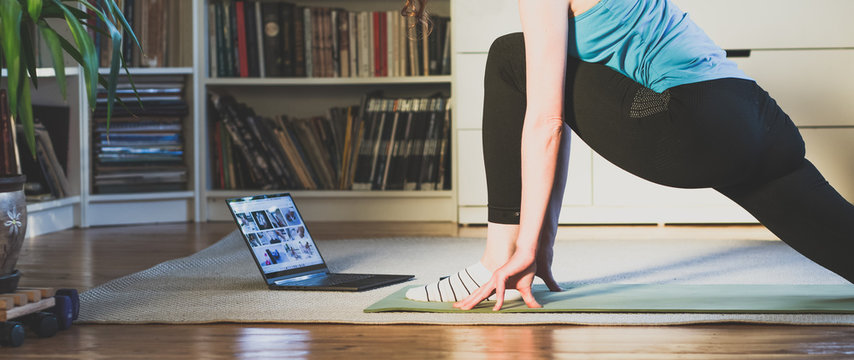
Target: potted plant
{"points": [[20, 20]]}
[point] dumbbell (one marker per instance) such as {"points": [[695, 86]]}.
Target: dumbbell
{"points": [[63, 310], [75, 300], [43, 323], [12, 333]]}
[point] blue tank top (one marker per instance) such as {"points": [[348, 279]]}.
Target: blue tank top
{"points": [[651, 41]]}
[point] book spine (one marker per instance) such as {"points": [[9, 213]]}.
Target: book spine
{"points": [[390, 147], [425, 178], [353, 32], [235, 39], [299, 43], [365, 35], [272, 42], [433, 42], [388, 59], [242, 51], [444, 182], [220, 40], [213, 41], [425, 50], [228, 44], [325, 41], [344, 42], [413, 50], [286, 28], [417, 148], [404, 148], [128, 43], [376, 61], [362, 165], [446, 57], [335, 48], [259, 36], [309, 46], [252, 44]]}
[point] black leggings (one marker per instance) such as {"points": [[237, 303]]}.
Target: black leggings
{"points": [[727, 134]]}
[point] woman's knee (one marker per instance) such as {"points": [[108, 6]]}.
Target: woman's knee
{"points": [[506, 60]]}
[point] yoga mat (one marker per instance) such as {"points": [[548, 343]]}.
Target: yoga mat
{"points": [[657, 298], [222, 283]]}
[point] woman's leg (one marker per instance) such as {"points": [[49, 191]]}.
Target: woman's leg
{"points": [[503, 115], [504, 107], [727, 134]]}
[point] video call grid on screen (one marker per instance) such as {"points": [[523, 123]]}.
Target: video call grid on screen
{"points": [[276, 234]]}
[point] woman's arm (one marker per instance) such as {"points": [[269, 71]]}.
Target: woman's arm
{"points": [[545, 26]]}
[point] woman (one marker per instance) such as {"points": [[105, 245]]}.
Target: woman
{"points": [[647, 89]]}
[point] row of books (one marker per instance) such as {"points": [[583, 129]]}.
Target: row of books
{"points": [[164, 30], [45, 172], [382, 144], [141, 149], [250, 38]]}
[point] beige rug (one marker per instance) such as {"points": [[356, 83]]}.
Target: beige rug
{"points": [[222, 284]]}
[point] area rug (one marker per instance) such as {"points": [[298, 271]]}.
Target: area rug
{"points": [[222, 284]]}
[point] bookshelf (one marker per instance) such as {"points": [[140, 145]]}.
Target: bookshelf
{"points": [[200, 201], [312, 96]]}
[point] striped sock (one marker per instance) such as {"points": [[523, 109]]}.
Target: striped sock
{"points": [[458, 286]]}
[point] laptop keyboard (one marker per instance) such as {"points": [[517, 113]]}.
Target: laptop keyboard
{"points": [[329, 280]]}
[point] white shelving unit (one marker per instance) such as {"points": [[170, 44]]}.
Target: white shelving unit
{"points": [[313, 96]]}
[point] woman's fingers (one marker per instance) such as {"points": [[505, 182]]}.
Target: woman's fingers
{"points": [[477, 296], [499, 296], [528, 297]]}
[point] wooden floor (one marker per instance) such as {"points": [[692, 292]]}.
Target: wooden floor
{"points": [[86, 258]]}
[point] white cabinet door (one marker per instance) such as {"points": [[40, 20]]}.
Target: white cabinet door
{"points": [[832, 152], [468, 87], [613, 186], [815, 87], [774, 24], [478, 22], [472, 175]]}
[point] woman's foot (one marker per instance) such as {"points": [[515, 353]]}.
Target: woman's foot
{"points": [[458, 286]]}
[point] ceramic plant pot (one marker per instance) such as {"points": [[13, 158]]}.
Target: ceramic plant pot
{"points": [[13, 226]]}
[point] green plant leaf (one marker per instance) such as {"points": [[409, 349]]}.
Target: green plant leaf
{"points": [[115, 63], [10, 38], [51, 38], [26, 117], [117, 13], [29, 54], [69, 48], [34, 7], [88, 54], [50, 10]]}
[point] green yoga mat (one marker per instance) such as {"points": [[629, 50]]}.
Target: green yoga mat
{"points": [[659, 298]]}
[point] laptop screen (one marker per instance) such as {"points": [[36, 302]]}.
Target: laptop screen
{"points": [[276, 234]]}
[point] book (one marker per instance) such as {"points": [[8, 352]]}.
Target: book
{"points": [[259, 35], [309, 44], [286, 39], [213, 41], [252, 44], [273, 50], [344, 43]]}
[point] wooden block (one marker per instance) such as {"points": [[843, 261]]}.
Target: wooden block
{"points": [[17, 298], [27, 309], [32, 295], [6, 302], [45, 292]]}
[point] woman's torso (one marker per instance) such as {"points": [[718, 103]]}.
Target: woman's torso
{"points": [[651, 41]]}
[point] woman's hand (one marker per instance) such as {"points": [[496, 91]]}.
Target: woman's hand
{"points": [[517, 273]]}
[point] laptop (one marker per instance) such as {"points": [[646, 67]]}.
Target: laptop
{"points": [[284, 251]]}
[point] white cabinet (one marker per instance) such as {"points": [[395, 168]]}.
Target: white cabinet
{"points": [[813, 86]]}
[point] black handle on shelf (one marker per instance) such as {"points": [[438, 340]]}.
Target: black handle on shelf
{"points": [[737, 53]]}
